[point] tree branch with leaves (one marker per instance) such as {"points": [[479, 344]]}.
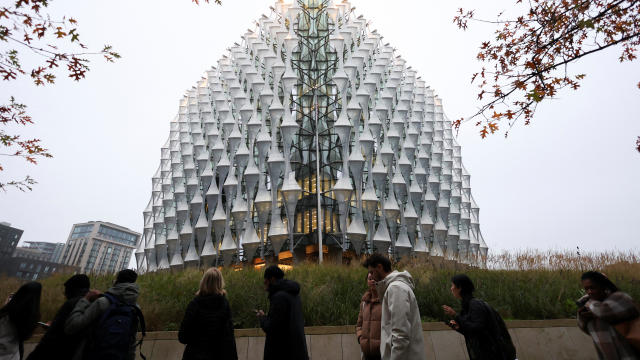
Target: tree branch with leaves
{"points": [[25, 27], [528, 61]]}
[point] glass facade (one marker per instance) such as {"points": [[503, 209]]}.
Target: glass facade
{"points": [[107, 251], [81, 231], [117, 235]]}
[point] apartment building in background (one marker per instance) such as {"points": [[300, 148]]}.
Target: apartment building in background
{"points": [[99, 247], [9, 238], [41, 250], [28, 263]]}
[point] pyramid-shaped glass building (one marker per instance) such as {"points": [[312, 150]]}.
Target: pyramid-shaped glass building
{"points": [[310, 139]]}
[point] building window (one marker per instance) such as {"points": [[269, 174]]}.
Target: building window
{"points": [[23, 265], [117, 235], [81, 231], [35, 276]]}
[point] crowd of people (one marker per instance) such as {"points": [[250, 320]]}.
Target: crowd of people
{"points": [[95, 325]]}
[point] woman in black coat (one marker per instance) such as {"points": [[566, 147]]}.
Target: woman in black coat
{"points": [[207, 328], [485, 334], [18, 319]]}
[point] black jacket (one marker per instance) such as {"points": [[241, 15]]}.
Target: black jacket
{"points": [[55, 344], [284, 325], [207, 329], [484, 332]]}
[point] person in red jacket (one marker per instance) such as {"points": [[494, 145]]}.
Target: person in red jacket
{"points": [[368, 326]]}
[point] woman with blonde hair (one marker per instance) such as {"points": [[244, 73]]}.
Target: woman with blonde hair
{"points": [[207, 328]]}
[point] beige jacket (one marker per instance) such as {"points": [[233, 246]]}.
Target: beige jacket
{"points": [[401, 335]]}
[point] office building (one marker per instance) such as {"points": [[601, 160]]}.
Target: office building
{"points": [[99, 247], [41, 250], [9, 238], [27, 263]]}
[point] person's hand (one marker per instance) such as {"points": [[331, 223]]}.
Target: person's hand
{"points": [[585, 313], [454, 325], [9, 298], [92, 295], [260, 313], [449, 311]]}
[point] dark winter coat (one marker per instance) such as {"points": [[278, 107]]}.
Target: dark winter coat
{"points": [[207, 329], [55, 344], [284, 324], [481, 331]]}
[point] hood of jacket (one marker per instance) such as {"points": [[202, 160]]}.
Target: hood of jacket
{"points": [[401, 276], [288, 286], [126, 292], [211, 301]]}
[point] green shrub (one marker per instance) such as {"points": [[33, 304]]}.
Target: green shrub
{"points": [[331, 293]]}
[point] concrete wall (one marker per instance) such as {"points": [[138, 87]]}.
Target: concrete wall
{"points": [[534, 339]]}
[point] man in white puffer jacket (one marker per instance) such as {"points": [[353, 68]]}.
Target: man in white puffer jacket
{"points": [[401, 335]]}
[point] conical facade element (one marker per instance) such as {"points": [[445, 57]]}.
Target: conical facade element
{"points": [[310, 129]]}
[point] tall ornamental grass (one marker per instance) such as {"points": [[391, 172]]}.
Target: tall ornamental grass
{"points": [[530, 285]]}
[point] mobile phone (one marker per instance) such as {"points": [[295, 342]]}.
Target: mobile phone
{"points": [[44, 325]]}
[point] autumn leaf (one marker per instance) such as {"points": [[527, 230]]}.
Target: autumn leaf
{"points": [[57, 48], [529, 57], [484, 132]]}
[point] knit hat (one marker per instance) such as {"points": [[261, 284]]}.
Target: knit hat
{"points": [[76, 283], [126, 276]]}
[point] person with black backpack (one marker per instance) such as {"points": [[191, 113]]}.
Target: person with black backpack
{"points": [[111, 320], [485, 333]]}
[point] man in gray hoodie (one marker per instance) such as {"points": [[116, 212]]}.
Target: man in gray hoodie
{"points": [[401, 327], [89, 311]]}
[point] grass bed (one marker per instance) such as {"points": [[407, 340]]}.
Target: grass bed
{"points": [[331, 293]]}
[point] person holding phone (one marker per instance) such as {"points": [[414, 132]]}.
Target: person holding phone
{"points": [[55, 344], [603, 306], [207, 327], [18, 319], [484, 331], [284, 324]]}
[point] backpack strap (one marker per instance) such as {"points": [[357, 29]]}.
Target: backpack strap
{"points": [[143, 330], [113, 302]]}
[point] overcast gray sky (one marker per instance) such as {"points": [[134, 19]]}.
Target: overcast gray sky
{"points": [[572, 178]]}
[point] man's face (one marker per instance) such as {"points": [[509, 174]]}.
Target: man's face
{"points": [[377, 272]]}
